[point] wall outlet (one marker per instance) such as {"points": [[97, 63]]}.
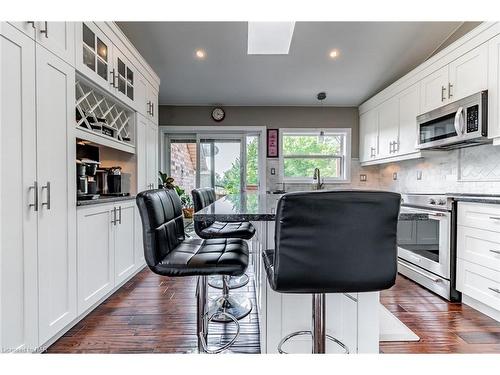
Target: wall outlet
{"points": [[419, 175], [273, 171], [362, 177], [395, 176]]}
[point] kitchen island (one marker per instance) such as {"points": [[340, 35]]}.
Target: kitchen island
{"points": [[352, 318]]}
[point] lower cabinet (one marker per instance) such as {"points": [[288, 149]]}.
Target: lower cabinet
{"points": [[106, 249], [478, 253]]}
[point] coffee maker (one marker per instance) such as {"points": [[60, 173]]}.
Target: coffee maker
{"points": [[85, 179]]}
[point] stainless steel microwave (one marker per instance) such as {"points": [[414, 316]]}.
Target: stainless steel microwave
{"points": [[462, 123]]}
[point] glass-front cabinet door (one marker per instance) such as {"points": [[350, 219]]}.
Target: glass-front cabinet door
{"points": [[94, 54], [124, 77]]}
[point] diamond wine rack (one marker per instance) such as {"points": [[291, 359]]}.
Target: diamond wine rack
{"points": [[101, 119]]}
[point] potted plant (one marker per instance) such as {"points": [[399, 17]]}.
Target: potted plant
{"points": [[187, 203]]}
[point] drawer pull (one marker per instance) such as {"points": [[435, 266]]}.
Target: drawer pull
{"points": [[495, 217], [495, 251], [496, 290]]}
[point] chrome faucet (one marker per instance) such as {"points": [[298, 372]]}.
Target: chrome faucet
{"points": [[318, 185]]}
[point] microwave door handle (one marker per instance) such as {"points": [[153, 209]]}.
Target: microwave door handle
{"points": [[459, 121]]}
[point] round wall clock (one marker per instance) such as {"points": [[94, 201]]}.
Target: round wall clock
{"points": [[218, 114]]}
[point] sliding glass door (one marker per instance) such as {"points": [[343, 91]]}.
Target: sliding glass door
{"points": [[221, 165], [228, 163]]}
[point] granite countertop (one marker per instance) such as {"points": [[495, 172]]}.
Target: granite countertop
{"points": [[103, 200], [240, 207], [256, 207]]}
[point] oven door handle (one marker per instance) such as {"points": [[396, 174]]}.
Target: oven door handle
{"points": [[459, 121], [420, 272]]}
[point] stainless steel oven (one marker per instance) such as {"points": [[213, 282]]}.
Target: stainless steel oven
{"points": [[462, 123], [425, 241]]}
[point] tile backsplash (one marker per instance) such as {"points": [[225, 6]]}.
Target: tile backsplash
{"points": [[468, 170]]}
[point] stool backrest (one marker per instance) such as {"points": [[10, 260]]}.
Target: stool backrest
{"points": [[202, 198], [162, 223], [336, 241]]}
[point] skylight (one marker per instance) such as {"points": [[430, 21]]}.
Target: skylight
{"points": [[269, 38]]}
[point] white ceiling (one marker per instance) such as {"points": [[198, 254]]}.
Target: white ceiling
{"points": [[371, 56]]}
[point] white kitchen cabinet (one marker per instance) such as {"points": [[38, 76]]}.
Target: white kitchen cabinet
{"points": [[55, 92], [368, 133], [153, 104], [147, 154], [409, 107], [469, 73], [106, 249], [152, 154], [434, 90], [124, 78], [478, 253], [94, 55], [96, 258], [124, 240], [58, 37], [388, 125], [18, 208], [27, 27], [141, 94], [494, 87]]}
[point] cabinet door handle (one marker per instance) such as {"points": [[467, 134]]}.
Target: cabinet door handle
{"points": [[494, 217], [495, 251], [496, 290], [114, 216], [443, 93], [120, 215], [47, 203], [112, 73], [152, 109], [450, 86], [32, 23], [46, 30], [34, 187]]}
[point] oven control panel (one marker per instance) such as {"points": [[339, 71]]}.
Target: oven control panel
{"points": [[473, 119]]}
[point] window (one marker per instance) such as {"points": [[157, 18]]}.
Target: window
{"points": [[303, 150]]}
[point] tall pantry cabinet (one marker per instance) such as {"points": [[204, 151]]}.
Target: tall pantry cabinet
{"points": [[37, 192]]}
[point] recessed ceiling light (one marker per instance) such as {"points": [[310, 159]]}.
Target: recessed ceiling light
{"points": [[333, 53], [200, 54]]}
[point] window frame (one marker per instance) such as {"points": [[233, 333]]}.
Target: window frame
{"points": [[345, 177]]}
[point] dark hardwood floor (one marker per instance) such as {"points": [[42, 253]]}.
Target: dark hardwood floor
{"points": [[443, 327], [153, 314]]}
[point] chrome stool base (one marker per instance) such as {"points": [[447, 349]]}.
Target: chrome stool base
{"points": [[237, 306], [309, 333], [205, 315], [234, 282]]}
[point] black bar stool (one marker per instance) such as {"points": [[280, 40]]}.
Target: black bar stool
{"points": [[332, 242], [237, 306], [169, 253]]}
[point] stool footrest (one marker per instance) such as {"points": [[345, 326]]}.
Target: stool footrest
{"points": [[224, 347], [309, 333]]}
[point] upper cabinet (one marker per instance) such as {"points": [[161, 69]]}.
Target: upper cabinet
{"points": [[464, 76], [93, 54], [469, 73], [368, 133], [57, 37], [124, 76], [469, 65], [494, 87], [433, 89], [111, 63]]}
